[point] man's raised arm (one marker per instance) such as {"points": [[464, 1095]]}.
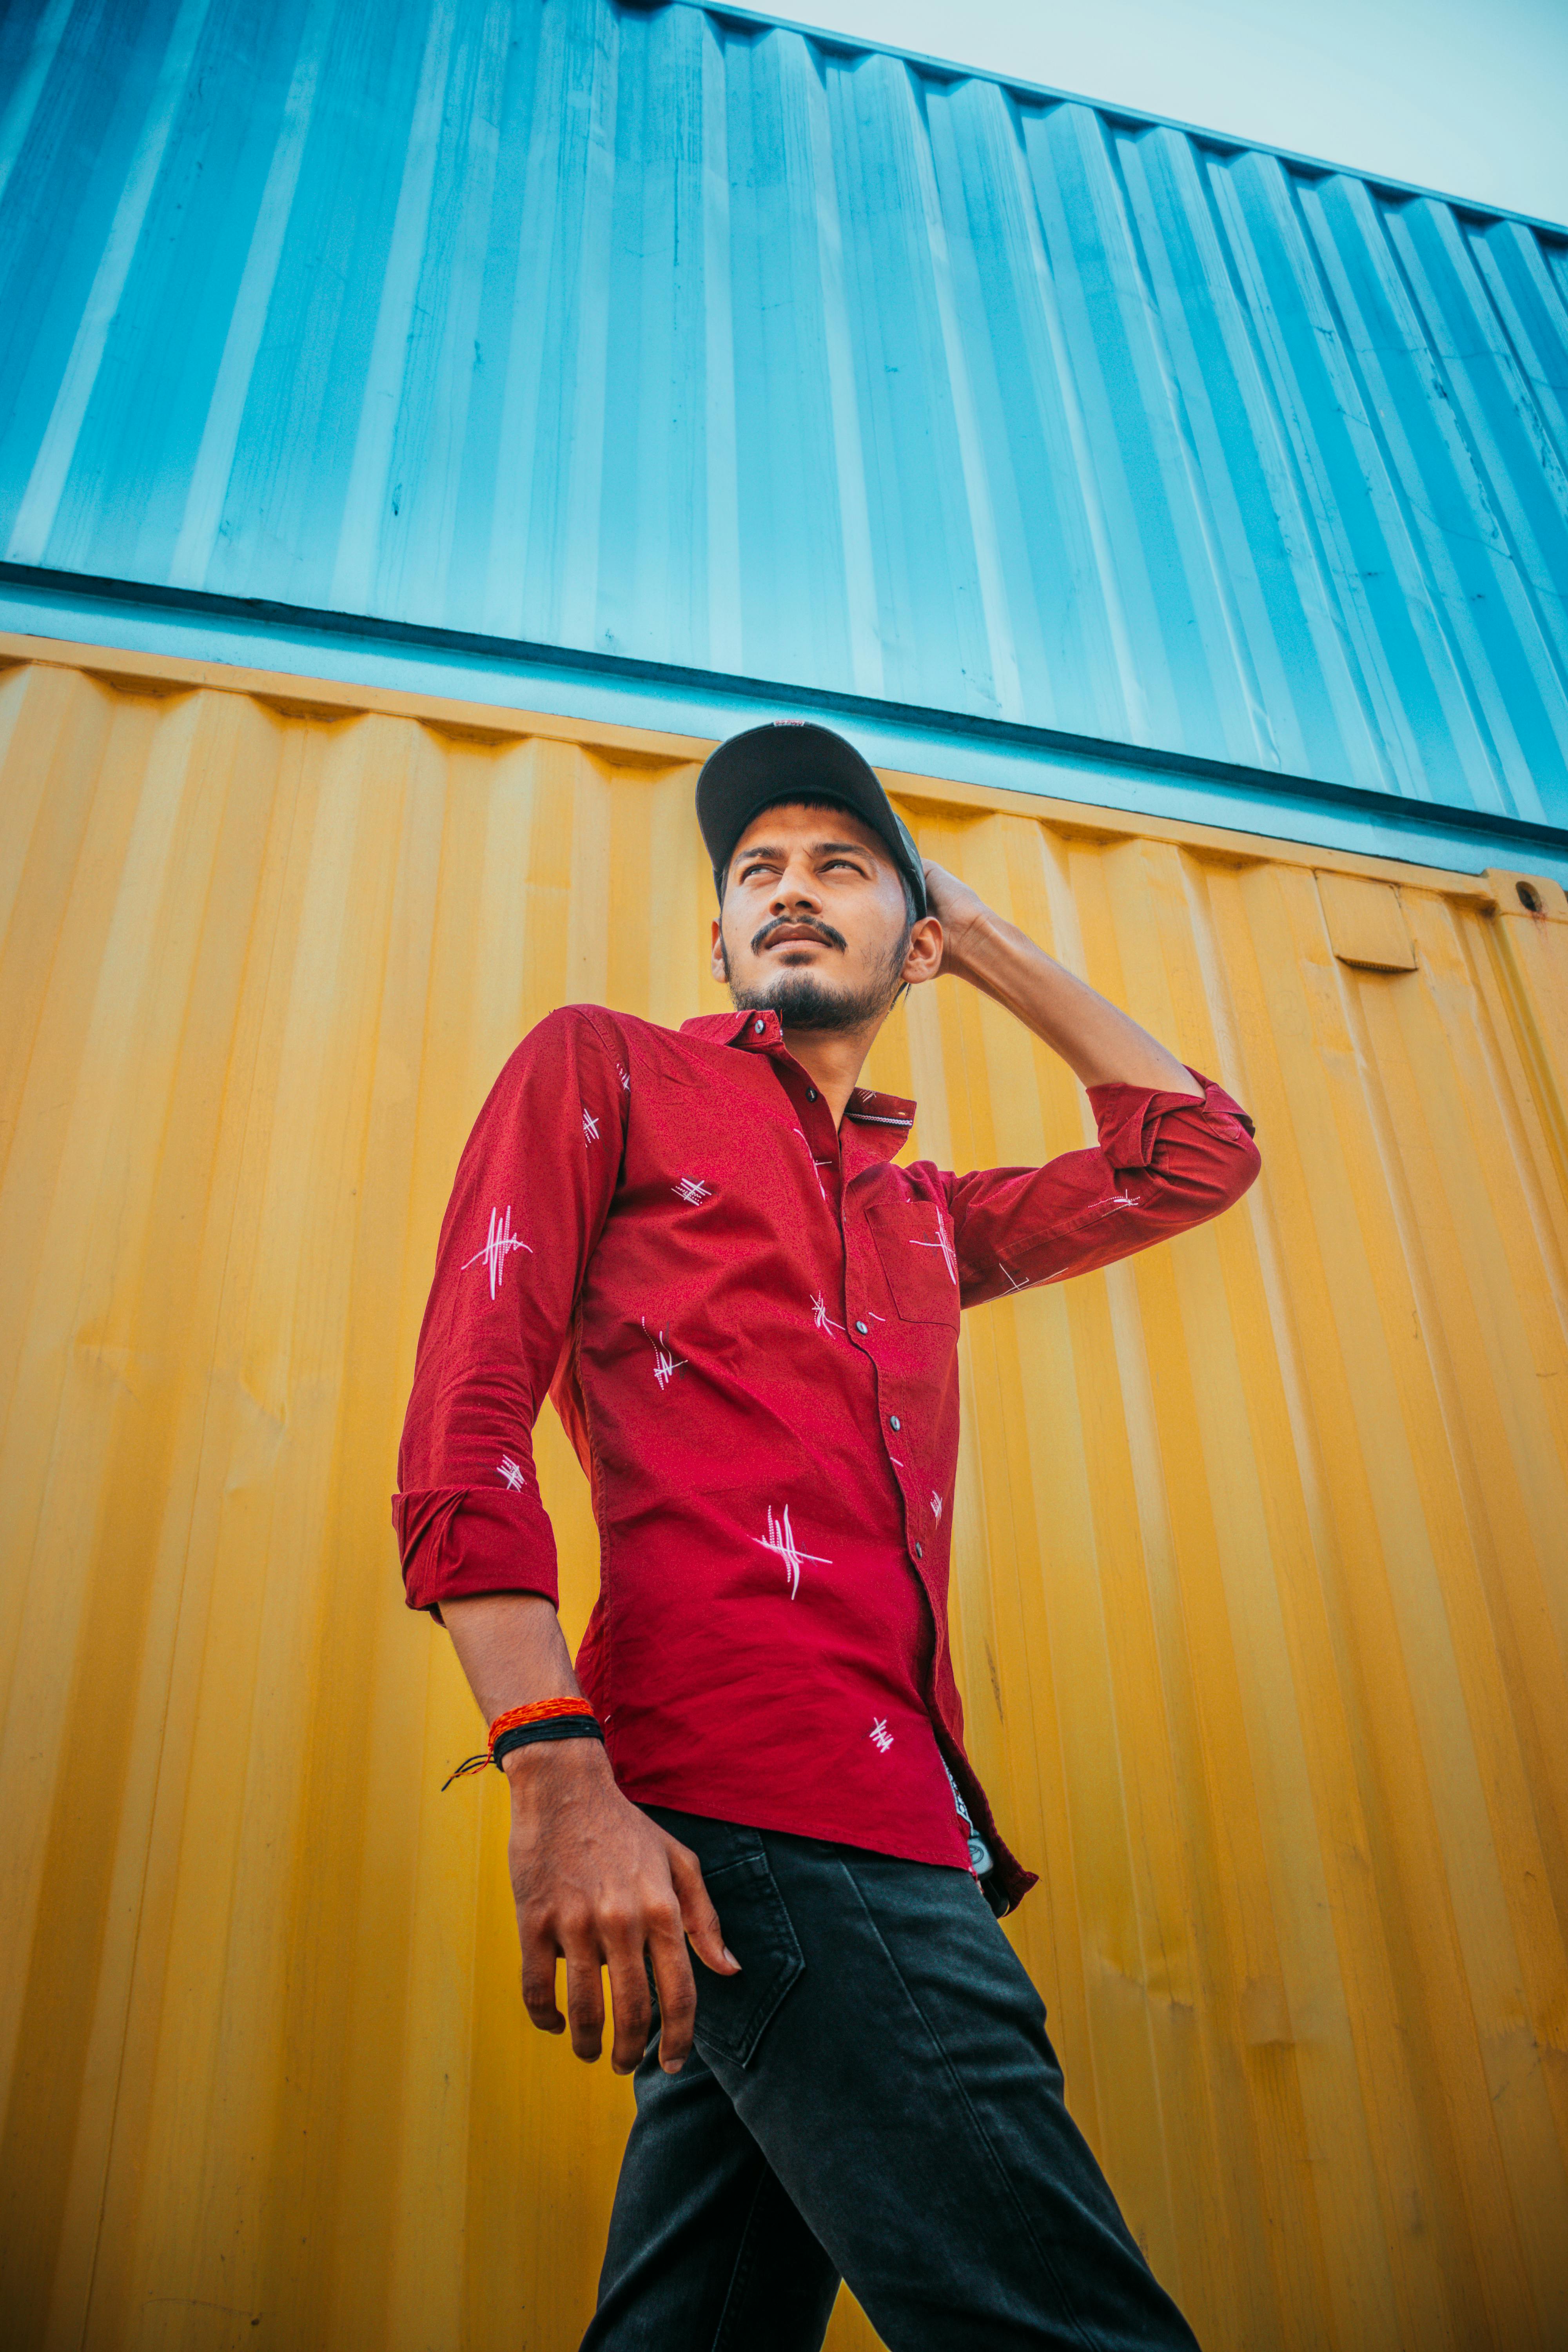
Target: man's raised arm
{"points": [[1175, 1150], [1102, 1046]]}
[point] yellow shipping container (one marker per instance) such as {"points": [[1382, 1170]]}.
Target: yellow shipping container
{"points": [[1261, 1543]]}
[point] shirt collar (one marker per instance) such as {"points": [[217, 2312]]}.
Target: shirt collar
{"points": [[883, 1121]]}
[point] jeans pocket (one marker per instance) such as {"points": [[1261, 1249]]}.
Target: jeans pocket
{"points": [[733, 2012]]}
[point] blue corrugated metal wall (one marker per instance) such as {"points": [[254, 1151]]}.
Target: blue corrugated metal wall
{"points": [[658, 332]]}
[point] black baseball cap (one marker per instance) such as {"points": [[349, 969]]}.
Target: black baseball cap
{"points": [[794, 755]]}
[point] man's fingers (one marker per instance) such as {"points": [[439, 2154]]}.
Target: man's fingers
{"points": [[539, 1985], [584, 1998], [633, 2005], [697, 1916], [677, 1995]]}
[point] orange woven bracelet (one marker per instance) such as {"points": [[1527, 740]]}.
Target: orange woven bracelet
{"points": [[567, 1712]]}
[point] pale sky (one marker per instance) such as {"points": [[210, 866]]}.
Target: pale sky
{"points": [[1469, 96]]}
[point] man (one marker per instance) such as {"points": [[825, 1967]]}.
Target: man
{"points": [[747, 1316]]}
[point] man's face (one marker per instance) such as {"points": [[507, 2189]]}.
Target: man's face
{"points": [[814, 922]]}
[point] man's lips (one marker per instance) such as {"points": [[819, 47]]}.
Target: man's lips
{"points": [[783, 935]]}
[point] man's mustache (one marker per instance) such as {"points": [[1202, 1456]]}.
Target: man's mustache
{"points": [[823, 931]]}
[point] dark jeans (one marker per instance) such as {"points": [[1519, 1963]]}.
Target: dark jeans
{"points": [[874, 2098]]}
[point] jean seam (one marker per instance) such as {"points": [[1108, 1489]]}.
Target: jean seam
{"points": [[980, 2131], [745, 2260]]}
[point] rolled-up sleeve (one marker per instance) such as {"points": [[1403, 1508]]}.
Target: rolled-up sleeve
{"points": [[1162, 1163], [532, 1190]]}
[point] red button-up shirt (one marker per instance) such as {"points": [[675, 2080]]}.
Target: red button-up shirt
{"points": [[748, 1321]]}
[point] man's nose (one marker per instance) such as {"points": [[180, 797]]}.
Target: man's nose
{"points": [[796, 891]]}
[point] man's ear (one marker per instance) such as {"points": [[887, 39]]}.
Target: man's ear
{"points": [[922, 957], [719, 962]]}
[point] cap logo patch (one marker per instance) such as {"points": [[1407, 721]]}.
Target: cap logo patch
{"points": [[788, 722]]}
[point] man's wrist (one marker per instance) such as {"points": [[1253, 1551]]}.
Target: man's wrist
{"points": [[541, 1758], [981, 945]]}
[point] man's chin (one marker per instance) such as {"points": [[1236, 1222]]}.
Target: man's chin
{"points": [[803, 1001]]}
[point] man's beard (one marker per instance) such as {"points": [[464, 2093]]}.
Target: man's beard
{"points": [[804, 1000]]}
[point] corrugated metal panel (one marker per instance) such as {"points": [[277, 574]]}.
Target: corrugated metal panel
{"points": [[663, 334], [1261, 1596]]}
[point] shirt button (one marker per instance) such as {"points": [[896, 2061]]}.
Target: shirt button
{"points": [[759, 1026], [893, 1421], [920, 1551], [862, 1328], [811, 1094]]}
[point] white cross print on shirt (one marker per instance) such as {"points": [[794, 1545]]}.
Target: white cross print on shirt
{"points": [[780, 1538], [664, 1363], [511, 1474], [879, 1736], [692, 1190], [816, 1165], [590, 1126], [943, 1242], [498, 1241], [820, 1317]]}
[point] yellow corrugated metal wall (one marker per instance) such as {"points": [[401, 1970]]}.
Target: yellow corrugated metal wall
{"points": [[1261, 1572]]}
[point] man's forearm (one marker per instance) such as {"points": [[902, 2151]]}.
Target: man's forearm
{"points": [[1099, 1044], [511, 1648]]}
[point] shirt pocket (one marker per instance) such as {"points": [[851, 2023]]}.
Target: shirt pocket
{"points": [[914, 1242], [733, 2012]]}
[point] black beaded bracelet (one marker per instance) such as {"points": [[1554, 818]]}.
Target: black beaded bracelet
{"points": [[558, 1727]]}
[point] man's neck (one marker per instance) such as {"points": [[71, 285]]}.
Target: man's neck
{"points": [[833, 1059]]}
